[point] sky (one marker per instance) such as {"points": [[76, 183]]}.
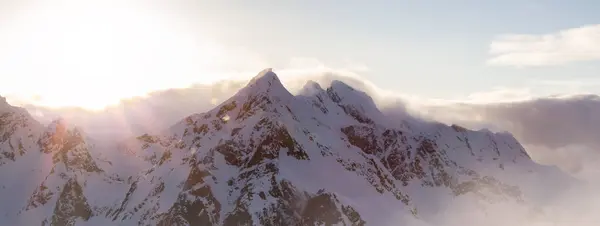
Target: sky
{"points": [[103, 51], [518, 66]]}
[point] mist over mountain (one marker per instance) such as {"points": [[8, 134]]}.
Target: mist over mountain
{"points": [[556, 130], [264, 156]]}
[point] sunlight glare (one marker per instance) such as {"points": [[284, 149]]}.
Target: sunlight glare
{"points": [[92, 55]]}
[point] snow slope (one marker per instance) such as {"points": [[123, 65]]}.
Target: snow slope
{"points": [[265, 157]]}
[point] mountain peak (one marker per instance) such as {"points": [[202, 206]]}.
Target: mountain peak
{"points": [[311, 88], [313, 85], [4, 104], [337, 84], [265, 75], [5, 107], [266, 82], [57, 126], [345, 91]]}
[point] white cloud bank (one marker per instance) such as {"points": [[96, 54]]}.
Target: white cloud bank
{"points": [[561, 130], [562, 47]]}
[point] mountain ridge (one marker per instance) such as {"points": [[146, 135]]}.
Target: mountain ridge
{"points": [[267, 157]]}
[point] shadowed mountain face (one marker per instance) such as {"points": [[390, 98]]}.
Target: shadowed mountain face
{"points": [[264, 157]]}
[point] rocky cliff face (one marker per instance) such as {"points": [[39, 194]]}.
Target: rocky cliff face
{"points": [[262, 157]]}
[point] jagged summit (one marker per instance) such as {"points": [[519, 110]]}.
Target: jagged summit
{"points": [[265, 83], [313, 84], [57, 125], [266, 80], [4, 105], [337, 84], [311, 88], [354, 102], [60, 129], [266, 74]]}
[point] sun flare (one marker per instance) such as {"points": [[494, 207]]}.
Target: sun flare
{"points": [[75, 53]]}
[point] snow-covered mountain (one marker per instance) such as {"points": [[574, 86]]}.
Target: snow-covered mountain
{"points": [[265, 157]]}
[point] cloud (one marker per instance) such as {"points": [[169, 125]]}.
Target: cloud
{"points": [[157, 110], [562, 47], [145, 114], [500, 94], [559, 130]]}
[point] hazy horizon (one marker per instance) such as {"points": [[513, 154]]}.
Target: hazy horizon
{"points": [[486, 51]]}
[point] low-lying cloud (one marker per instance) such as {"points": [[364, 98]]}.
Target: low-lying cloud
{"points": [[561, 130], [558, 130], [561, 47], [159, 109]]}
